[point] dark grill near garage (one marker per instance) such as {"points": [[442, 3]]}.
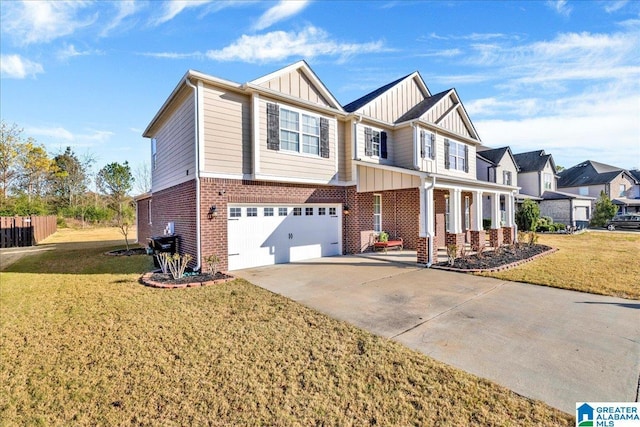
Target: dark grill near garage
{"points": [[161, 244]]}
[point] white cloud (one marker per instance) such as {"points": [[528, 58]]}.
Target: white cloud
{"points": [[569, 57], [446, 53], [17, 67], [51, 132], [57, 135], [172, 8], [30, 22], [560, 6], [70, 51], [599, 127], [283, 10], [472, 37], [614, 6], [279, 45], [125, 8]]}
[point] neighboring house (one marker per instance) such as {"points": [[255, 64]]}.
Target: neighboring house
{"points": [[538, 180], [590, 178], [499, 166], [277, 170]]}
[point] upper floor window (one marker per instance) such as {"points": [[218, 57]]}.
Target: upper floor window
{"points": [[623, 190], [375, 143], [456, 156], [427, 145], [506, 178], [292, 130], [548, 181], [583, 191]]}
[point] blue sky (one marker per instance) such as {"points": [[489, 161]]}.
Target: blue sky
{"points": [[563, 76]]}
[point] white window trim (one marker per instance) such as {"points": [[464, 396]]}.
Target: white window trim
{"points": [[460, 160], [546, 175], [154, 153], [300, 131], [377, 215], [467, 212], [375, 154], [447, 213]]}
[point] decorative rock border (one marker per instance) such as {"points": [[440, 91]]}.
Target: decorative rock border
{"points": [[146, 280], [495, 269]]}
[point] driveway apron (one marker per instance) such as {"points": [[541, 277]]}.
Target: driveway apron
{"points": [[554, 345]]}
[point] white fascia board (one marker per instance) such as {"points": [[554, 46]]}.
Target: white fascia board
{"points": [[430, 126], [311, 75], [292, 180], [255, 123], [273, 94], [451, 182]]}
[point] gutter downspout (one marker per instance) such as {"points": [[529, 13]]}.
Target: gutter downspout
{"points": [[197, 150], [427, 229], [416, 146]]}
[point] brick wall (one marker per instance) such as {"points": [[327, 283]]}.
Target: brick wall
{"points": [[439, 211], [400, 217], [143, 221], [177, 204]]}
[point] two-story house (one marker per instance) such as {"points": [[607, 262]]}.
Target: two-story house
{"points": [[276, 170], [590, 178], [538, 180]]}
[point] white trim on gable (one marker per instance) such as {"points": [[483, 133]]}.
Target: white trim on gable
{"points": [[309, 73]]}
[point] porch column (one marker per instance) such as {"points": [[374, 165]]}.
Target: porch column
{"points": [[495, 234], [455, 211], [509, 209], [477, 232], [427, 226]]}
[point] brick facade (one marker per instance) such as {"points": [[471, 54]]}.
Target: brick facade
{"points": [[507, 235], [457, 239], [495, 237], [143, 221], [439, 196], [478, 240]]}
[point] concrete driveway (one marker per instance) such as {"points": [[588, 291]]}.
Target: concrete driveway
{"points": [[558, 346]]}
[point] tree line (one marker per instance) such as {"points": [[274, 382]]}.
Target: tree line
{"points": [[33, 182]]}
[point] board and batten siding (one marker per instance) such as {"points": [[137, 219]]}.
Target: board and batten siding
{"points": [[404, 147], [290, 165], [395, 102], [227, 132], [374, 179], [452, 122], [296, 84], [175, 145]]}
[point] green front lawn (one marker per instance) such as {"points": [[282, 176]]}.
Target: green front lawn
{"points": [[82, 342], [603, 263]]}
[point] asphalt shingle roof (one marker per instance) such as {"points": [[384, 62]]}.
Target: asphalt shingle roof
{"points": [[588, 173], [364, 100], [494, 155], [532, 161], [422, 107]]}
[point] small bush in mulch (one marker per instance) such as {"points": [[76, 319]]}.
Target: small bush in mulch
{"points": [[188, 278], [125, 252], [494, 259]]}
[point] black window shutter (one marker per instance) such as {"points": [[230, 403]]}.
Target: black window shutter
{"points": [[423, 144], [446, 154], [466, 158], [433, 145], [273, 127], [324, 138], [383, 144], [368, 144]]}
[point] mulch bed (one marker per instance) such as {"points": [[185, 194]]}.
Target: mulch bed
{"points": [[497, 260], [159, 280]]}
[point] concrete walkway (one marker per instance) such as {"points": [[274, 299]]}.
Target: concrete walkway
{"points": [[554, 345]]}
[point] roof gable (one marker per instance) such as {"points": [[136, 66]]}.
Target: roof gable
{"points": [[444, 109], [496, 155], [590, 173], [534, 161], [392, 100], [298, 80]]}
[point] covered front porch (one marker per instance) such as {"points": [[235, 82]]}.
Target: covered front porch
{"points": [[429, 212]]}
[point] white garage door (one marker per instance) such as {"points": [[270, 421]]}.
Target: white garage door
{"points": [[277, 234]]}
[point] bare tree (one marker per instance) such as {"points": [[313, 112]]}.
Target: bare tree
{"points": [[142, 175]]}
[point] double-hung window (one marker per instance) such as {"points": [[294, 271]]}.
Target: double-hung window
{"points": [[547, 181], [506, 177], [298, 127], [375, 142], [457, 156]]}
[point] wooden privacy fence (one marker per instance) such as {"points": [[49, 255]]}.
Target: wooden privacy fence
{"points": [[25, 231]]}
